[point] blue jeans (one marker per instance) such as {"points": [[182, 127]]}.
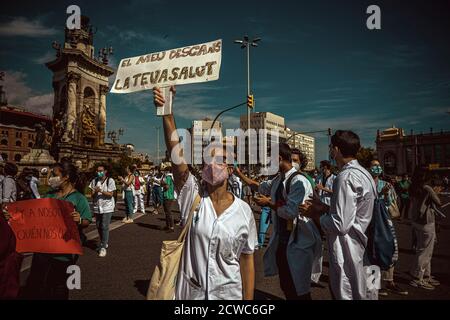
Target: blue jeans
{"points": [[263, 225], [102, 221], [157, 196], [129, 203]]}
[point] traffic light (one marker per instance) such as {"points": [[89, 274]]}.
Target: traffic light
{"points": [[250, 101]]}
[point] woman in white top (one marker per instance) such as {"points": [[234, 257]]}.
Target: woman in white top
{"points": [[217, 261]]}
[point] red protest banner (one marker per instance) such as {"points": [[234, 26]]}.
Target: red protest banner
{"points": [[44, 225]]}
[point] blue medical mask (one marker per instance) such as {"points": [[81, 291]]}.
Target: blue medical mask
{"points": [[376, 170], [100, 174]]}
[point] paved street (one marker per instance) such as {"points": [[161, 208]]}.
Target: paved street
{"points": [[134, 251]]}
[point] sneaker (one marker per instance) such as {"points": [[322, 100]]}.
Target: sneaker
{"points": [[130, 221], [432, 280], [421, 284], [124, 220], [393, 287], [102, 252], [382, 292]]}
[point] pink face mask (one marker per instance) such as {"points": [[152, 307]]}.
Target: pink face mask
{"points": [[214, 173]]}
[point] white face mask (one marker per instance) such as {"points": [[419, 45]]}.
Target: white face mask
{"points": [[55, 182], [296, 165]]}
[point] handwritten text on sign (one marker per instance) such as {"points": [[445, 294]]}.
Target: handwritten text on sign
{"points": [[198, 63], [44, 225]]}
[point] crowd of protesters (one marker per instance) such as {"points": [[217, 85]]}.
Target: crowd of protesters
{"points": [[333, 205]]}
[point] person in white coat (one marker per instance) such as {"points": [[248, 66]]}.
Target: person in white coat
{"points": [[295, 246], [217, 262], [325, 184], [345, 221], [138, 191]]}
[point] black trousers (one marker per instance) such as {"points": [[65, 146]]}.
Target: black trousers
{"points": [[47, 279], [168, 210], [284, 273]]}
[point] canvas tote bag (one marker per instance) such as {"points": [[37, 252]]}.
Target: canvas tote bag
{"points": [[162, 284]]}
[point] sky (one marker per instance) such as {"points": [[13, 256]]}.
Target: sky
{"points": [[318, 64]]}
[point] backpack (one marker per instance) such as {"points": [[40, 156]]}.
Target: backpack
{"points": [[107, 183], [24, 191], [382, 248]]}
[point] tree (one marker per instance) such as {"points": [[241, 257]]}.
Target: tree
{"points": [[365, 155], [117, 168]]}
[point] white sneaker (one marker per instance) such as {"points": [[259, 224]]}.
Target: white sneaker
{"points": [[102, 252], [124, 220], [129, 221]]}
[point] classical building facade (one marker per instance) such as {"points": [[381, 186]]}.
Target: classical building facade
{"points": [[18, 133], [80, 84], [400, 153]]}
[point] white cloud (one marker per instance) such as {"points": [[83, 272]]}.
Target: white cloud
{"points": [[15, 87], [20, 94], [48, 56], [20, 26], [42, 104]]}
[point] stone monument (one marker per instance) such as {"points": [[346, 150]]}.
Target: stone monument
{"points": [[80, 84], [39, 157]]}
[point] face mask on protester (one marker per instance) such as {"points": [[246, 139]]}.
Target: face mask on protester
{"points": [[296, 165], [136, 174], [214, 173], [376, 170], [55, 182], [100, 174]]}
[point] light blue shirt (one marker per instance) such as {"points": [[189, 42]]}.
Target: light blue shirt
{"points": [[304, 250]]}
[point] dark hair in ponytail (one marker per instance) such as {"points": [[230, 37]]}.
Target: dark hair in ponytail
{"points": [[68, 169]]}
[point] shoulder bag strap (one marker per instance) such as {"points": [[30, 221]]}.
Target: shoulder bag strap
{"points": [[189, 219]]}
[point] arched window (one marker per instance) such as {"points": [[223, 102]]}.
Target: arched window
{"points": [[18, 143], [89, 96], [4, 157], [17, 157], [4, 142]]}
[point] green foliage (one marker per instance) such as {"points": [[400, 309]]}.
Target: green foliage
{"points": [[117, 168]]}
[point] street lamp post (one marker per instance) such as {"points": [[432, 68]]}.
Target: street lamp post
{"points": [[157, 143], [245, 43]]}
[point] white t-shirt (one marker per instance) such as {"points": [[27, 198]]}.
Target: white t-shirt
{"points": [[209, 266], [103, 204], [325, 197]]}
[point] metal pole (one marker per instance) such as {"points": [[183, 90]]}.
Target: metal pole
{"points": [[248, 108], [157, 143]]}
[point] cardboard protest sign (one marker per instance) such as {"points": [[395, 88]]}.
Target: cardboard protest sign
{"points": [[192, 64], [44, 225]]}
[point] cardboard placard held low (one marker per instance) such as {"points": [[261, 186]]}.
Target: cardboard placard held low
{"points": [[45, 226]]}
